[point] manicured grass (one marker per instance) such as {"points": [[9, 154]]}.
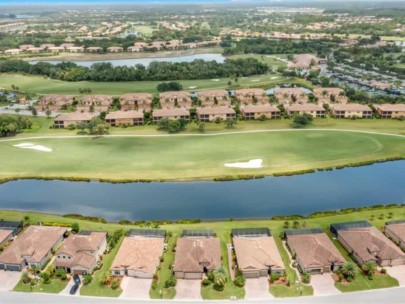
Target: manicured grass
{"points": [[222, 229], [56, 286], [42, 85], [194, 157], [271, 60], [282, 291], [96, 288]]}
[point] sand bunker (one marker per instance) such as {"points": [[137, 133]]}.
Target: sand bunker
{"points": [[215, 79], [194, 87], [33, 147], [251, 164]]}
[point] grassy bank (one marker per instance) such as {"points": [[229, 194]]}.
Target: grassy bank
{"points": [[194, 157], [376, 216]]}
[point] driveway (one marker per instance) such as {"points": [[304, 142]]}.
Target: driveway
{"points": [[323, 284], [135, 288], [8, 279], [66, 290], [257, 289], [397, 272], [188, 290]]}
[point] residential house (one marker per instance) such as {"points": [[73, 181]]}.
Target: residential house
{"points": [[256, 252], [140, 101], [46, 46], [35, 50], [56, 49], [53, 102], [390, 110], [172, 114], [25, 47], [75, 49], [115, 49], [251, 96], [67, 45], [32, 248], [80, 253], [313, 251], [214, 98], [291, 95], [309, 108], [268, 111], [366, 243], [197, 252], [173, 99], [94, 103], [13, 52], [222, 113], [129, 118], [139, 254], [351, 110], [304, 62], [155, 46], [137, 47], [66, 119], [14, 226], [395, 230], [330, 95], [94, 49], [5, 236]]}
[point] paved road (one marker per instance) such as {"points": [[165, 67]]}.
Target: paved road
{"points": [[390, 295]]}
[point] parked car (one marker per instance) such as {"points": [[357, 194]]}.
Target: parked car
{"points": [[74, 289], [76, 278]]}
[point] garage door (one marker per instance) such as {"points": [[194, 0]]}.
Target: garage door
{"points": [[1, 266], [13, 267], [193, 275], [315, 271]]}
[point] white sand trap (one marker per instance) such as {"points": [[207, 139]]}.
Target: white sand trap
{"points": [[255, 80], [251, 164], [275, 77], [214, 79], [193, 87], [33, 147]]}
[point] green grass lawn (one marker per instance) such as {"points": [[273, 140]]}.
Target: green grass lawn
{"points": [[193, 157], [271, 60], [56, 286], [222, 229], [96, 288], [41, 85]]}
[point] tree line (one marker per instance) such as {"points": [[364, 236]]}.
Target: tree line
{"points": [[10, 125], [160, 71]]}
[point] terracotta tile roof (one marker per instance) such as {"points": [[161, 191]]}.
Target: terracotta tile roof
{"points": [[139, 253], [215, 110], [5, 234], [192, 252], [350, 107], [57, 99], [289, 91], [75, 117], [314, 250], [175, 94], [256, 253], [391, 107], [124, 115], [35, 242], [136, 97], [397, 229], [170, 112], [78, 242], [369, 242], [329, 91], [212, 93], [96, 99], [304, 107], [260, 108], [250, 92]]}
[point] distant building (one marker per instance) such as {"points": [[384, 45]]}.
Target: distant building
{"points": [[251, 96], [214, 98], [330, 95], [173, 99], [251, 112], [172, 114], [291, 95], [390, 110], [140, 101], [311, 109], [207, 114], [130, 118], [64, 120], [351, 110]]}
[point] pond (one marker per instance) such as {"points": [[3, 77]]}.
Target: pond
{"points": [[146, 61], [381, 183]]}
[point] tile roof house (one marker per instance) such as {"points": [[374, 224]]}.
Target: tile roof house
{"points": [[195, 256], [54, 102], [395, 230], [66, 119], [291, 95], [257, 256], [32, 248], [350, 110], [250, 112], [309, 108], [390, 110], [214, 98], [304, 62], [129, 118], [173, 99], [80, 253], [94, 49], [115, 49], [94, 103], [330, 95], [370, 244], [314, 252], [5, 236], [138, 257], [251, 96], [207, 114], [140, 101], [175, 114]]}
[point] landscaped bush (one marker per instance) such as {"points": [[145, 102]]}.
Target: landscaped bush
{"points": [[306, 278], [61, 274], [206, 282], [274, 277], [383, 271], [115, 284], [87, 279], [46, 277], [239, 281], [219, 287], [171, 282]]}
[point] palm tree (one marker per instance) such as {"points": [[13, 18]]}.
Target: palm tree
{"points": [[369, 267], [220, 275], [349, 270]]}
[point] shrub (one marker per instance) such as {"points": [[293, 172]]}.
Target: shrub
{"points": [[87, 279], [306, 278], [171, 282], [71, 127], [210, 276], [61, 274], [274, 277], [115, 284], [206, 282], [239, 281], [219, 287], [75, 227], [340, 277], [383, 270], [46, 277]]}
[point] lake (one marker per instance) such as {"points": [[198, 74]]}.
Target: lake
{"points": [[146, 61], [382, 183]]}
